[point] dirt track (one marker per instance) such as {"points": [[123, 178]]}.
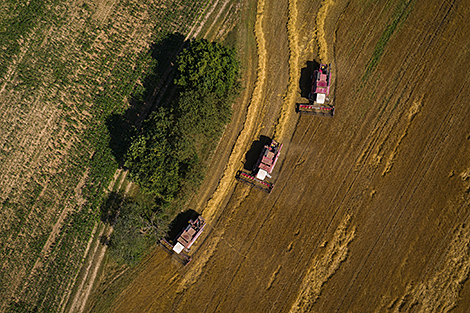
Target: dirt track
{"points": [[370, 209]]}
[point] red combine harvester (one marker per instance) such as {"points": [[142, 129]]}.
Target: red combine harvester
{"points": [[183, 242], [263, 168], [319, 97]]}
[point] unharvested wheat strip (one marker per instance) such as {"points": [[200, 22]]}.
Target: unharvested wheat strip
{"points": [[324, 52], [287, 109]]}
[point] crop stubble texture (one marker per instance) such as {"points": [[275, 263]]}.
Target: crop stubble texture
{"points": [[393, 163]]}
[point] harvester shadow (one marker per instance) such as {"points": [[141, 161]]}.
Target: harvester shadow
{"points": [[122, 127], [253, 154], [305, 81]]}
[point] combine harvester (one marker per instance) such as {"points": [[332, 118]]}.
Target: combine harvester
{"points": [[263, 168], [319, 96], [182, 243]]}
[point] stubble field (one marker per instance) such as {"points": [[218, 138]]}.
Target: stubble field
{"points": [[370, 208]]}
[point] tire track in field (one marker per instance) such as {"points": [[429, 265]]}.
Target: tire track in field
{"points": [[259, 225], [249, 128], [366, 153], [324, 267], [369, 19], [217, 16], [85, 285], [195, 31], [427, 150]]}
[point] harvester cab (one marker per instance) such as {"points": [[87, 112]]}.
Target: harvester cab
{"points": [[263, 168], [181, 244], [319, 96]]}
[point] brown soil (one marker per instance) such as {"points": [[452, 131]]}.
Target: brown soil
{"points": [[370, 208]]}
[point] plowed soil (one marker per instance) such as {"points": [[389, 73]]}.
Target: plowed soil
{"points": [[370, 208]]}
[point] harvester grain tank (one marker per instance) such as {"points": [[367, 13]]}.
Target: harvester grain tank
{"points": [[182, 243], [263, 168], [319, 96]]}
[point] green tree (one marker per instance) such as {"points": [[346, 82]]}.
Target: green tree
{"points": [[209, 67], [169, 157], [151, 160], [202, 114], [127, 244]]}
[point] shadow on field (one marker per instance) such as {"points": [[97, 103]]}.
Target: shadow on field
{"points": [[305, 81], [179, 223], [110, 207], [255, 151], [122, 127]]}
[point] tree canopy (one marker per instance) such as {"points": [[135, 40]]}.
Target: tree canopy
{"points": [[168, 158], [151, 159], [175, 140], [208, 67]]}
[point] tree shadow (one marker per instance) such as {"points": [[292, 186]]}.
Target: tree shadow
{"points": [[254, 153], [179, 223], [305, 82], [121, 130], [110, 207], [122, 127], [163, 52], [104, 240]]}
